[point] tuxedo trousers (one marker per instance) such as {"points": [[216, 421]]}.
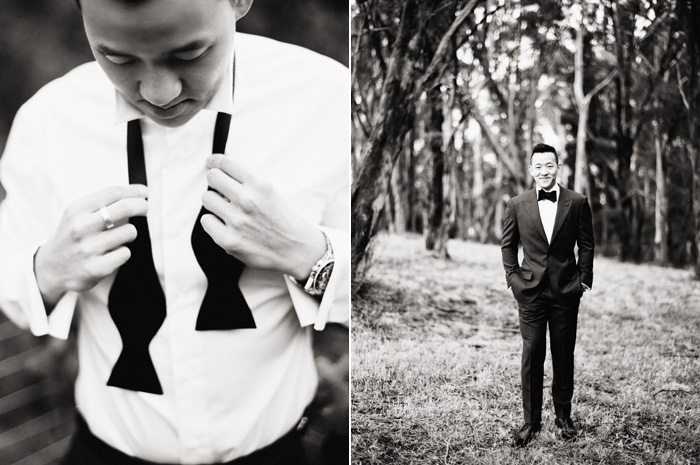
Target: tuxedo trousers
{"points": [[561, 318]]}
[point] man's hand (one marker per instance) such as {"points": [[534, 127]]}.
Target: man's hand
{"points": [[253, 223], [82, 251]]}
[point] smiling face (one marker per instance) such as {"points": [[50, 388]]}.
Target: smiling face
{"points": [[544, 168], [166, 57]]}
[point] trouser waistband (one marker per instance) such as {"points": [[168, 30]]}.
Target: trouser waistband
{"points": [[287, 448]]}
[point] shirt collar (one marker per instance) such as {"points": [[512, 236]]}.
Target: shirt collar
{"points": [[221, 101]]}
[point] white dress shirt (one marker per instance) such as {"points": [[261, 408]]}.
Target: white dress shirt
{"points": [[226, 393], [548, 211]]}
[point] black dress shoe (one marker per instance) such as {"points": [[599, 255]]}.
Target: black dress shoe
{"points": [[568, 431], [525, 435]]}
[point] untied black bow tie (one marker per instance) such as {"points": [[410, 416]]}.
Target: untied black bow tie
{"points": [[543, 195], [137, 302]]}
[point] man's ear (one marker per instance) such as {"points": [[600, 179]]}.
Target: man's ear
{"points": [[241, 7]]}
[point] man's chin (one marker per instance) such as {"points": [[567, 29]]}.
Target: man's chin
{"points": [[171, 122], [174, 122], [546, 185], [172, 118]]}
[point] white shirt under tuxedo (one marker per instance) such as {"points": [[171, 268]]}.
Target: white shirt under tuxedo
{"points": [[548, 211]]}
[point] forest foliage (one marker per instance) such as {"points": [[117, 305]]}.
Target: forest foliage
{"points": [[450, 96]]}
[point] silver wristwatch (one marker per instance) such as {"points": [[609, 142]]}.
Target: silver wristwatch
{"points": [[320, 273]]}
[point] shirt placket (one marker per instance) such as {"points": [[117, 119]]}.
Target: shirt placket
{"points": [[188, 369]]}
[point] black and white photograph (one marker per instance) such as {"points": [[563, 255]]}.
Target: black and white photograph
{"points": [[525, 232], [174, 232], [367, 232]]}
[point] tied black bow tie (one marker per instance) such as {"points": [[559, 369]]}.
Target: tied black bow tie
{"points": [[551, 196], [137, 302]]}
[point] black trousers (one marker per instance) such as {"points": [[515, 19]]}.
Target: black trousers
{"points": [[562, 319], [87, 449]]}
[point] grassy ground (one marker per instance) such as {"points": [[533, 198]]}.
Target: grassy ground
{"points": [[436, 364]]}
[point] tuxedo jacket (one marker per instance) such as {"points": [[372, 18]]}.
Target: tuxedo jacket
{"points": [[573, 226]]}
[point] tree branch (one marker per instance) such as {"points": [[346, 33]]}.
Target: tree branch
{"points": [[444, 43], [500, 152], [684, 97], [602, 84]]}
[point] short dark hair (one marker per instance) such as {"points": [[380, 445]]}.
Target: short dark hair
{"points": [[125, 1], [544, 148]]}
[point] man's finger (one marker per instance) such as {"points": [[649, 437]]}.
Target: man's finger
{"points": [[120, 212], [216, 204], [224, 184], [109, 262], [114, 238], [232, 166], [110, 195], [216, 229]]}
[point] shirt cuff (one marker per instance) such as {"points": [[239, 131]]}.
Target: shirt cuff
{"points": [[334, 305], [305, 305], [59, 322]]}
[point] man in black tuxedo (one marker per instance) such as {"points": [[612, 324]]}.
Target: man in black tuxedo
{"points": [[549, 221]]}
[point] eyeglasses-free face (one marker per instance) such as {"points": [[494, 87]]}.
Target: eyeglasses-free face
{"points": [[166, 57], [544, 169]]}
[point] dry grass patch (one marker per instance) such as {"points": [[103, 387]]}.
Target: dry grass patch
{"points": [[436, 364]]}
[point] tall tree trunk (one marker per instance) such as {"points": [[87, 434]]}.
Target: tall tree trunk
{"points": [[513, 125], [582, 182], [388, 210], [628, 222], [448, 181], [358, 143], [531, 109], [398, 196], [688, 11], [646, 183], [422, 159], [638, 216], [694, 155], [660, 207], [390, 125], [661, 203], [400, 188], [583, 104], [581, 164], [604, 240], [479, 224], [499, 206], [437, 155], [411, 184], [462, 213]]}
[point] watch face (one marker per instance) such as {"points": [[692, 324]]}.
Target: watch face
{"points": [[323, 276]]}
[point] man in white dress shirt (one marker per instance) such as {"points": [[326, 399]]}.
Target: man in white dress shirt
{"points": [[275, 196], [549, 221]]}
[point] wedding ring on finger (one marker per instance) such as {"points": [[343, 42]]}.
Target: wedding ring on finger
{"points": [[107, 218]]}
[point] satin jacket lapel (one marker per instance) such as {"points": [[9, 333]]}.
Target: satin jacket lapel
{"points": [[533, 212], [563, 207]]}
